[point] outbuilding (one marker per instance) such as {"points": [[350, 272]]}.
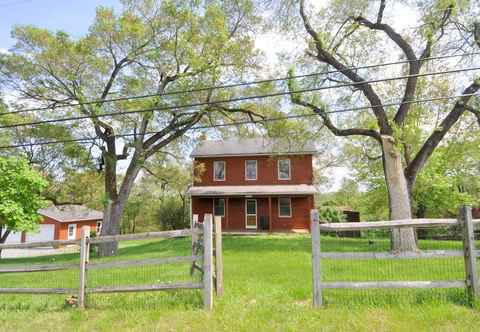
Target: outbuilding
{"points": [[64, 222]]}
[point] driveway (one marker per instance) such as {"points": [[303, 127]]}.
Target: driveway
{"points": [[18, 253]]}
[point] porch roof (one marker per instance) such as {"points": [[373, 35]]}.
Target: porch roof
{"points": [[296, 189]]}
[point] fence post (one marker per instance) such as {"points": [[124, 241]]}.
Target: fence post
{"points": [[316, 277], [218, 256], [207, 262], [466, 223], [193, 227], [84, 256]]}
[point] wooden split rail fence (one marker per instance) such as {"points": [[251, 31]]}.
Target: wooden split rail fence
{"points": [[204, 250], [469, 253]]}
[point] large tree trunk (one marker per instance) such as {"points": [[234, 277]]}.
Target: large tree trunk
{"points": [[112, 217], [116, 202], [398, 194]]}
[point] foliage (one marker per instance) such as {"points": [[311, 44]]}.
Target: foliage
{"points": [[172, 214], [77, 187], [331, 214], [20, 195], [150, 47], [158, 201]]}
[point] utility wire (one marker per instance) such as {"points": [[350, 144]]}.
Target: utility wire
{"points": [[226, 86], [268, 95], [289, 117]]}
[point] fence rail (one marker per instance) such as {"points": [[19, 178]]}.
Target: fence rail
{"points": [[469, 252], [203, 249], [409, 223]]}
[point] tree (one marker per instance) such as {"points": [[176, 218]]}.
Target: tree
{"points": [[20, 197], [151, 47], [345, 25], [83, 187], [52, 159]]}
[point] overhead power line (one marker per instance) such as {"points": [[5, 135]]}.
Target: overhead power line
{"points": [[230, 100], [226, 86], [238, 123]]}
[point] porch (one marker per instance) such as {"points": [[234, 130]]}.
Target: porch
{"points": [[256, 209]]}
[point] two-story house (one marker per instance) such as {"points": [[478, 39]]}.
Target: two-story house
{"points": [[254, 184]]}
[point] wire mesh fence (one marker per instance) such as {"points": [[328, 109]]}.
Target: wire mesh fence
{"points": [[358, 266], [144, 264], [47, 269]]}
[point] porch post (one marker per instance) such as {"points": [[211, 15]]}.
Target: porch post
{"points": [[226, 213], [213, 206], [270, 216]]}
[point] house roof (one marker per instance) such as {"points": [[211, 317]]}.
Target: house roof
{"points": [[251, 146], [297, 189], [70, 213]]}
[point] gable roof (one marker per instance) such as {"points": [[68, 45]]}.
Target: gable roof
{"points": [[70, 213], [251, 146]]}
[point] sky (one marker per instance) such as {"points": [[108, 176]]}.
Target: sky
{"points": [[71, 16]]}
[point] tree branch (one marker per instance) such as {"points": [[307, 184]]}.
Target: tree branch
{"points": [[436, 137], [475, 112], [324, 56], [329, 124], [413, 66]]}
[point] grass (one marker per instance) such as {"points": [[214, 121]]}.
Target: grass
{"points": [[267, 288]]}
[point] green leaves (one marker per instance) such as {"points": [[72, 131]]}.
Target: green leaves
{"points": [[20, 195]]}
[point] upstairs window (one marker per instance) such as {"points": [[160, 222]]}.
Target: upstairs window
{"points": [[250, 169], [219, 207], [219, 170], [284, 169], [284, 207]]}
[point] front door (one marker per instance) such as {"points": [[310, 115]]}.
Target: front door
{"points": [[251, 214], [72, 231]]}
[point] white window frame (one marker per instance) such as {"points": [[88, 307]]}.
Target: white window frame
{"points": [[256, 170], [215, 200], [289, 169], [279, 210], [250, 215], [216, 162], [74, 236]]}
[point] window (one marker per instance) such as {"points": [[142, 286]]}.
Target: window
{"points": [[284, 207], [219, 171], [284, 170], [99, 227], [72, 228], [250, 169], [219, 207]]}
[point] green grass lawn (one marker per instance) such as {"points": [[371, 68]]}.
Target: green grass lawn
{"points": [[267, 288]]}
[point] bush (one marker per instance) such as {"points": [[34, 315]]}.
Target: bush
{"points": [[331, 214], [172, 213]]}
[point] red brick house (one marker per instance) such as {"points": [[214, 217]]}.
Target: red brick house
{"points": [[62, 223], [254, 184]]}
